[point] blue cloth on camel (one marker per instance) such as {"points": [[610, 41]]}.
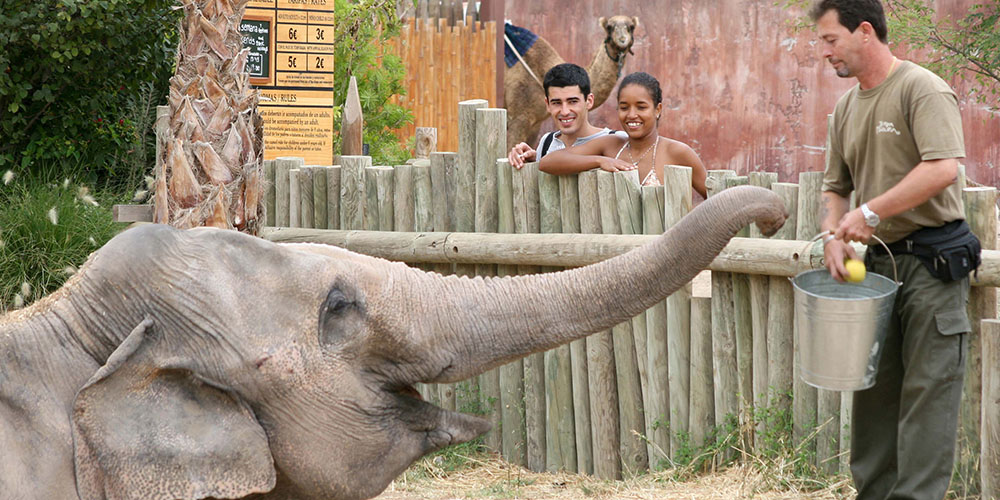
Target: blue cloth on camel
{"points": [[522, 40]]}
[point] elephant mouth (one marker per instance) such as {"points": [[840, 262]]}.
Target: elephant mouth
{"points": [[437, 427], [406, 391]]}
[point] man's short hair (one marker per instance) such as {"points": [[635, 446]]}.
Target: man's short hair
{"points": [[854, 12], [566, 75]]}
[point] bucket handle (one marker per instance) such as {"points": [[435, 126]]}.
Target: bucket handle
{"points": [[895, 272]]}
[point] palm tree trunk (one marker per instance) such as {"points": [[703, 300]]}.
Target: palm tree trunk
{"points": [[211, 170]]}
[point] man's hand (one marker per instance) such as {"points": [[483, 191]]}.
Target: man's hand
{"points": [[834, 253], [614, 164], [520, 154], [852, 227]]}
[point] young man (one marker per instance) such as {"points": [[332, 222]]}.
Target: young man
{"points": [[567, 99], [895, 141]]}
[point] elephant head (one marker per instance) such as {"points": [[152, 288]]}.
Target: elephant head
{"points": [[233, 366]]}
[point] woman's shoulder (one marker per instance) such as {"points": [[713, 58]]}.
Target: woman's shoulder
{"points": [[675, 147]]}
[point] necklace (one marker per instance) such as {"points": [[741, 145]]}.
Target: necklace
{"points": [[635, 163]]}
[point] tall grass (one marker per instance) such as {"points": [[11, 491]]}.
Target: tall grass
{"points": [[48, 227]]}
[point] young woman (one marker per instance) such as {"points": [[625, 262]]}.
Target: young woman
{"points": [[639, 106]]}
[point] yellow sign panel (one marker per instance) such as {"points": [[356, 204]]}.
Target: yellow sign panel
{"points": [[291, 62]]}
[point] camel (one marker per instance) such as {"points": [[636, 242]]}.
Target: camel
{"points": [[524, 96]]}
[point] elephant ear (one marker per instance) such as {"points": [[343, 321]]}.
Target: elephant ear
{"points": [[150, 429]]}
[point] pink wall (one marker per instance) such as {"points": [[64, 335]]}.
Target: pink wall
{"points": [[738, 85]]}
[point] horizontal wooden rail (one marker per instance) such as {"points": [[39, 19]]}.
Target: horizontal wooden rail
{"points": [[742, 255]]}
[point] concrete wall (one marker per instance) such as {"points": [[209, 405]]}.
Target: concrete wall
{"points": [[739, 86]]}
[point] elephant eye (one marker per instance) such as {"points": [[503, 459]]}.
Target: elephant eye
{"points": [[336, 302]]}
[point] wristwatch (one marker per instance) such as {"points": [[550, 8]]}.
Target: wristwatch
{"points": [[871, 218]]}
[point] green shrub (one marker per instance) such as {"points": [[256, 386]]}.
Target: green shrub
{"points": [[72, 73], [364, 28], [47, 230]]}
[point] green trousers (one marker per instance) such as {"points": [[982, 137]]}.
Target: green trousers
{"points": [[903, 429]]}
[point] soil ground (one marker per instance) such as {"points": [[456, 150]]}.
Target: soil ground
{"points": [[488, 477]]}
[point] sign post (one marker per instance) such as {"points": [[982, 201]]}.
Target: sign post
{"points": [[291, 62]]}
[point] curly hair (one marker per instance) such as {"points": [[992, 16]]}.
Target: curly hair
{"points": [[645, 80]]}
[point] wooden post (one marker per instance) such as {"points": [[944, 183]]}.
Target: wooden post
{"points": [[743, 333], [630, 401], [444, 186], [423, 199], [600, 356], [281, 188], [442, 181], [307, 206], [702, 399], [526, 220], [426, 142], [574, 356], [352, 191], [380, 211], [723, 342], [990, 451], [464, 218], [759, 284], [780, 348], [980, 213], [657, 406], [629, 198], [333, 197], [352, 123], [403, 195], [320, 204], [268, 191], [677, 203], [512, 383], [560, 443], [465, 182], [491, 139], [805, 415], [294, 195]]}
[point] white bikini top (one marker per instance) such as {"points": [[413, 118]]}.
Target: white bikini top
{"points": [[651, 179]]}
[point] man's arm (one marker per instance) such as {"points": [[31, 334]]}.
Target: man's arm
{"points": [[583, 157], [519, 154], [924, 182], [833, 209]]}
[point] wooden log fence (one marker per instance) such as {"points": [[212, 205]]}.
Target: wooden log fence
{"points": [[634, 397]]}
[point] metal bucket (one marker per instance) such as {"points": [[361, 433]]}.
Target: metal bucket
{"points": [[842, 328]]}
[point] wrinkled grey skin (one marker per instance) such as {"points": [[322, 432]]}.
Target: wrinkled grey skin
{"points": [[207, 363]]}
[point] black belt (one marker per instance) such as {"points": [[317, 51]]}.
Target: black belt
{"points": [[901, 247], [907, 244]]}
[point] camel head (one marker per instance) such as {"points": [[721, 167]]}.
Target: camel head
{"points": [[619, 34]]}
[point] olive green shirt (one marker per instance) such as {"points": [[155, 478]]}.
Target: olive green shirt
{"points": [[880, 134]]}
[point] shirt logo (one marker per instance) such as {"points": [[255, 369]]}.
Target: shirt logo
{"points": [[886, 127]]}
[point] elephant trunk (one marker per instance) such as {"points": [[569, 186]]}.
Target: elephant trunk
{"points": [[491, 322]]}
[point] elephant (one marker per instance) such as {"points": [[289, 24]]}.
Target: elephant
{"points": [[206, 363]]}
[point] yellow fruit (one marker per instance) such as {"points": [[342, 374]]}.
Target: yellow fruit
{"points": [[855, 270]]}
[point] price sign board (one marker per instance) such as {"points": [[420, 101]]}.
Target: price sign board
{"points": [[291, 62]]}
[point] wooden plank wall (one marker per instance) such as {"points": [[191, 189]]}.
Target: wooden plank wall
{"points": [[445, 64]]}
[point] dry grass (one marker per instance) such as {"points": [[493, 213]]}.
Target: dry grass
{"points": [[487, 476]]}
